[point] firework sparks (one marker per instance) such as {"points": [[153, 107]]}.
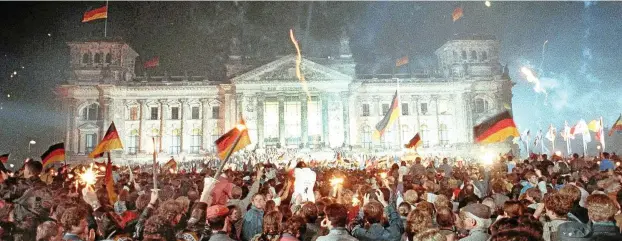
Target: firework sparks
{"points": [[301, 77], [531, 78]]}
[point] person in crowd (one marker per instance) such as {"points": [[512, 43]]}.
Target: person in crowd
{"points": [[601, 212], [335, 221], [418, 221], [271, 228], [557, 207], [293, 230], [476, 219], [309, 214], [372, 213], [216, 216], [253, 219], [577, 213], [606, 164]]}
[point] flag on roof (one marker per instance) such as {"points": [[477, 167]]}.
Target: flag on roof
{"points": [[111, 141], [414, 142], [56, 153], [617, 126], [401, 61], [389, 117], [98, 13], [152, 63], [457, 14], [496, 129]]}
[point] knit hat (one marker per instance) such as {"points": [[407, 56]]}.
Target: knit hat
{"points": [[478, 209], [216, 211]]}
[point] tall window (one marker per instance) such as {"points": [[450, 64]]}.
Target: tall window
{"points": [[215, 133], [86, 58], [481, 105], [385, 108], [90, 142], [174, 113], [271, 121], [406, 134], [365, 110], [195, 112], [134, 113], [91, 112], [98, 58], [195, 141], [292, 121], [473, 55], [176, 142], [154, 113], [215, 112], [132, 145], [425, 137], [108, 58], [366, 137], [314, 115], [464, 54], [443, 133], [484, 55], [443, 106], [404, 108], [424, 108]]}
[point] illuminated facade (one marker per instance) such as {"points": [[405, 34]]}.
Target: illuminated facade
{"points": [[186, 114]]}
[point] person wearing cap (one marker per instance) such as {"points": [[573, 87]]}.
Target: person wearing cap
{"points": [[216, 217], [476, 218]]}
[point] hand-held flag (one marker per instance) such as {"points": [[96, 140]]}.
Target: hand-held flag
{"points": [[56, 153], [98, 13], [389, 118], [414, 142], [401, 61], [112, 195], [227, 142], [617, 126], [111, 141], [457, 14], [496, 129], [4, 158]]}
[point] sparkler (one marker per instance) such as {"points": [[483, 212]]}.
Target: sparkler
{"points": [[355, 200], [383, 175], [88, 177], [301, 77]]}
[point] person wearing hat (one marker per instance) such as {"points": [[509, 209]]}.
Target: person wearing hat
{"points": [[476, 218], [216, 217]]}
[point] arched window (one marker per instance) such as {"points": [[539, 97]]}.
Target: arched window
{"points": [[481, 105], [108, 58], [98, 58], [366, 137], [86, 58], [425, 137], [91, 112], [444, 134], [464, 54], [484, 55], [473, 55]]}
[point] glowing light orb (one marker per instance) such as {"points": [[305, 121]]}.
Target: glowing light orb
{"points": [[383, 175], [336, 181], [487, 3], [88, 177], [488, 158], [558, 153]]}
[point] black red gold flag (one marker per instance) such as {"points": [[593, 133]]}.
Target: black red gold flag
{"points": [[496, 129]]}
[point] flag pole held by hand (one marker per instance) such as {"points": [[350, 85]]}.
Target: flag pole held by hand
{"points": [[222, 165]]}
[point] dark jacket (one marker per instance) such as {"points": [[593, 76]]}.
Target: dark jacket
{"points": [[377, 232], [575, 231]]}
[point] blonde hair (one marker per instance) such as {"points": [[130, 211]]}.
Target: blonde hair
{"points": [[411, 197], [600, 207], [430, 235]]}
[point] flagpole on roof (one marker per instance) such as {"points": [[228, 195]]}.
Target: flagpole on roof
{"points": [[106, 21]]}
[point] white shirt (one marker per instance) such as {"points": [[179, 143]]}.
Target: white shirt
{"points": [[305, 180]]}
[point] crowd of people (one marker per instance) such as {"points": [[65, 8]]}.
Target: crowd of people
{"points": [[540, 198]]}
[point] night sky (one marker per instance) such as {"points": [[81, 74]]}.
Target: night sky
{"points": [[579, 68]]}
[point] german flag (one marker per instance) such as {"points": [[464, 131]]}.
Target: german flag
{"points": [[414, 142], [227, 142], [496, 129], [389, 117], [110, 142], [171, 164], [56, 153], [617, 126], [98, 13], [401, 61], [457, 14], [152, 63], [5, 158]]}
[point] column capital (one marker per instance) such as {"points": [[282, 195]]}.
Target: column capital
{"points": [[415, 97], [183, 101], [281, 96], [344, 94], [435, 97], [260, 96], [141, 101], [204, 100], [163, 101]]}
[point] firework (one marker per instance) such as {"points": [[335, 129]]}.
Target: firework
{"points": [[299, 75]]}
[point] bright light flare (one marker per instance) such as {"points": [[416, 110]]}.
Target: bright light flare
{"points": [[383, 175], [301, 77], [531, 78], [487, 3], [240, 127], [488, 158], [88, 177], [558, 153], [355, 199], [336, 181]]}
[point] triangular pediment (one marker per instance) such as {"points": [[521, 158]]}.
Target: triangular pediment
{"points": [[284, 70], [88, 126]]}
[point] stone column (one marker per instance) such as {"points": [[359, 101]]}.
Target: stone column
{"points": [[69, 109], [239, 99], [260, 122], [105, 121], [74, 128], [184, 104], [140, 125], [226, 108], [325, 132], [415, 98], [438, 122], [304, 121], [281, 99], [468, 108], [204, 124], [345, 95], [163, 103]]}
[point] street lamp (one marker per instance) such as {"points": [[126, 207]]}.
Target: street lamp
{"points": [[32, 142]]}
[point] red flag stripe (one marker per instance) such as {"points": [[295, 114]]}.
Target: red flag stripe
{"points": [[495, 128]]}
